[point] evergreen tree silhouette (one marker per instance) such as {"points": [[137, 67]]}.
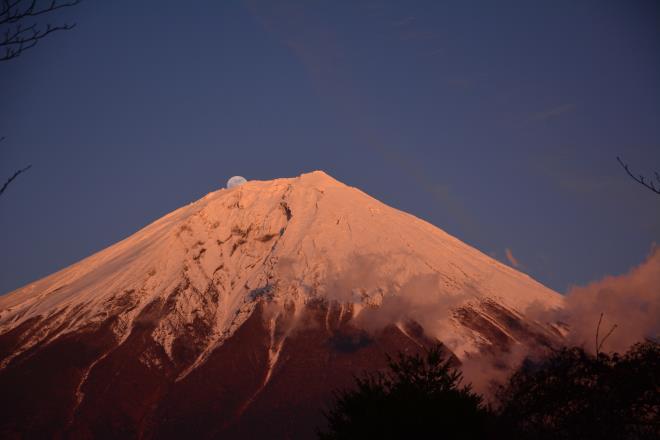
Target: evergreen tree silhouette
{"points": [[576, 395], [417, 397]]}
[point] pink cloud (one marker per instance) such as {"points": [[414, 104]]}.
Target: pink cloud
{"points": [[630, 301], [509, 256]]}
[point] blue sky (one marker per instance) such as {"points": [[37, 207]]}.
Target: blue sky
{"points": [[499, 122]]}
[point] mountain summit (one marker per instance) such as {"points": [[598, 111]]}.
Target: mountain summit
{"points": [[237, 315]]}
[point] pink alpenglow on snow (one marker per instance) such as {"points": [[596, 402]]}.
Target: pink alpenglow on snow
{"points": [[245, 300]]}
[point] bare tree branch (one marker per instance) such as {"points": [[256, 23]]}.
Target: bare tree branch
{"points": [[15, 175], [641, 179], [598, 330], [16, 36], [20, 31], [599, 344], [13, 12], [607, 336]]}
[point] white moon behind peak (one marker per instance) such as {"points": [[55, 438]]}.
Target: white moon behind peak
{"points": [[235, 181]]}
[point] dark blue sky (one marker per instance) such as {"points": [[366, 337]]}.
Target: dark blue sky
{"points": [[496, 121]]}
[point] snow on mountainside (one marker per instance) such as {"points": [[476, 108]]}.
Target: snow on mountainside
{"points": [[287, 240], [239, 314]]}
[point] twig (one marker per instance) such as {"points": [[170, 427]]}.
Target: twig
{"points": [[18, 36], [641, 179], [599, 345], [607, 336], [30, 11], [597, 330], [16, 174]]}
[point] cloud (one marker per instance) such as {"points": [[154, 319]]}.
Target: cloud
{"points": [[630, 301], [405, 21], [420, 298], [460, 82], [417, 35], [509, 256], [315, 43], [405, 296], [553, 112], [438, 51], [566, 169], [442, 193], [486, 371]]}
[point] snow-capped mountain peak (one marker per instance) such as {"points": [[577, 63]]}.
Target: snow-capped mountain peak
{"points": [[280, 252]]}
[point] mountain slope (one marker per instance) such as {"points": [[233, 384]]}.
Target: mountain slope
{"points": [[226, 299]]}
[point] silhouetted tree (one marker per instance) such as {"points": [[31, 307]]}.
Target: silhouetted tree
{"points": [[20, 30], [418, 397], [576, 395], [20, 26], [641, 179]]}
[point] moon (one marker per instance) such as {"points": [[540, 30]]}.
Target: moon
{"points": [[236, 181]]}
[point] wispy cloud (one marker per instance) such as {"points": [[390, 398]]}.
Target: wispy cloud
{"points": [[317, 47], [423, 35], [571, 173], [630, 301], [553, 112], [436, 52], [442, 193], [512, 260], [405, 21], [460, 82]]}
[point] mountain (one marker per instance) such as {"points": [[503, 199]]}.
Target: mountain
{"points": [[237, 315]]}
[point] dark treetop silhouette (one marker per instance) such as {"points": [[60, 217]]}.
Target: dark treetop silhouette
{"points": [[21, 31], [569, 394], [420, 396], [573, 394]]}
